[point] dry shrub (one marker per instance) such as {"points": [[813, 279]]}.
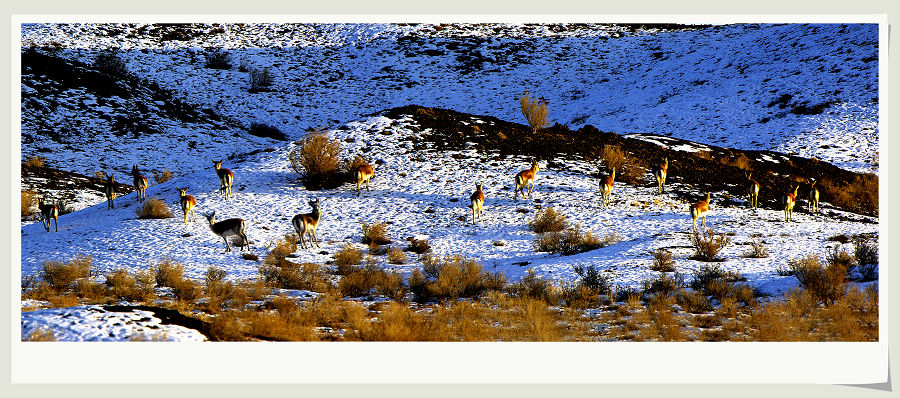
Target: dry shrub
{"points": [[613, 156], [362, 281], [61, 276], [757, 249], [160, 178], [396, 256], [548, 220], [375, 234], [663, 285], [260, 80], [35, 162], [572, 241], [824, 282], [40, 334], [153, 209], [740, 161], [860, 196], [250, 256], [347, 258], [168, 272], [663, 261], [865, 251], [452, 277], [693, 302], [124, 286], [277, 271], [593, 279], [187, 291], [635, 172], [714, 281], [799, 317], [579, 296], [96, 293], [534, 110], [227, 327], [838, 257], [418, 246], [663, 324], [29, 201], [535, 287], [706, 155], [318, 159], [708, 245]]}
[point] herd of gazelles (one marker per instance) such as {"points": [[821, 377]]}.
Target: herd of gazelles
{"points": [[305, 224]]}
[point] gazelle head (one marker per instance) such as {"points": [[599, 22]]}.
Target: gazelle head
{"points": [[478, 186], [110, 179], [211, 217], [218, 164], [182, 191], [135, 171]]}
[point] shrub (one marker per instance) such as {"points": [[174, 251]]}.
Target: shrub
{"points": [[548, 220], [216, 58], [757, 249], [693, 302], [663, 284], [63, 207], [109, 62], [125, 286], [153, 209], [572, 241], [593, 279], [317, 157], [708, 245], [418, 246], [534, 287], [396, 256], [866, 254], [214, 276], [260, 80], [860, 196], [663, 261], [375, 234], [361, 281], [840, 257], [266, 131], [347, 258], [29, 201], [291, 275], [534, 110], [35, 162], [635, 172], [160, 178], [713, 280], [186, 291], [167, 273], [452, 278], [61, 276], [824, 282], [613, 156]]}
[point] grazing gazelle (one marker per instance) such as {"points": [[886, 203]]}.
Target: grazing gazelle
{"points": [[752, 190], [48, 212], [698, 210], [660, 173], [226, 228], [812, 204], [789, 200], [140, 183], [187, 203], [363, 173], [477, 200], [305, 224], [226, 178], [526, 178], [110, 189], [606, 187]]}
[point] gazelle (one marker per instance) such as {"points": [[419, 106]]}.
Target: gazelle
{"points": [[526, 178], [226, 228], [140, 183], [752, 190], [812, 204], [110, 190], [187, 203], [660, 173], [699, 209], [477, 200], [226, 178], [606, 187], [305, 224], [363, 173], [49, 212], [789, 200]]}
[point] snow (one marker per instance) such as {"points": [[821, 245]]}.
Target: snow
{"points": [[710, 86]]}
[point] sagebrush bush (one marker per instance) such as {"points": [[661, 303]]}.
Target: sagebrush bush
{"points": [[162, 177], [153, 209], [452, 278], [707, 245], [375, 234], [60, 276], [866, 253], [347, 258], [396, 256], [663, 284], [29, 202], [824, 282], [535, 287], [318, 159], [548, 220], [418, 246], [613, 156], [663, 261], [534, 110], [125, 286], [110, 63], [693, 302], [260, 79], [368, 279], [168, 272], [839, 257], [217, 58], [593, 279], [714, 281], [757, 249], [35, 162], [572, 241]]}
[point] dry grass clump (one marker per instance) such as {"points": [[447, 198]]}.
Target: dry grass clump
{"points": [[369, 279], [757, 249], [720, 284], [799, 317], [693, 302], [572, 241], [218, 59], [41, 334], [548, 220], [61, 276], [318, 159], [396, 256], [162, 177], [860, 196], [35, 162], [535, 287], [635, 171], [124, 286], [260, 80], [824, 282], [663, 324], [347, 258], [375, 234], [168, 272], [865, 251], [418, 246], [452, 278], [740, 161], [663, 261], [613, 156], [534, 110], [153, 209], [29, 202], [663, 285], [708, 245], [593, 279], [277, 271]]}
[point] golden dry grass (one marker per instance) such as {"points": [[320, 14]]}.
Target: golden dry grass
{"points": [[534, 110], [35, 161], [548, 220], [318, 156], [162, 177], [61, 275], [153, 209], [613, 156], [29, 203], [375, 234]]}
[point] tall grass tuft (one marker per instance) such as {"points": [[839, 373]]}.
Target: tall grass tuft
{"points": [[707, 245], [153, 209], [548, 220], [452, 278], [534, 110], [663, 261], [824, 282], [61, 276], [613, 156], [318, 159]]}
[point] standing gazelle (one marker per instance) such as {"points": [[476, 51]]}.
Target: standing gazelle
{"points": [[140, 183], [49, 212], [526, 178], [305, 224], [226, 228], [477, 200], [226, 178], [660, 173], [606, 187], [752, 190], [363, 173], [789, 200], [699, 209], [110, 190], [187, 203], [812, 204]]}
